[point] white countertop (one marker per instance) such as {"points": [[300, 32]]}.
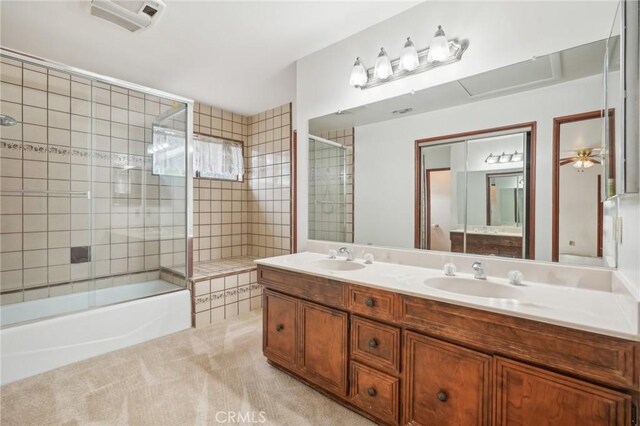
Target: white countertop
{"points": [[590, 310]]}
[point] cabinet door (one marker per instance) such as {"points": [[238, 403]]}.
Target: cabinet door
{"points": [[445, 384], [527, 395], [323, 346], [279, 328]]}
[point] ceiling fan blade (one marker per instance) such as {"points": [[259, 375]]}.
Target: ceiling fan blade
{"points": [[567, 161], [595, 161]]}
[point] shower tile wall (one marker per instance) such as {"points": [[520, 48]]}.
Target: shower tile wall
{"points": [[269, 180], [220, 208], [71, 131], [253, 217], [326, 220]]}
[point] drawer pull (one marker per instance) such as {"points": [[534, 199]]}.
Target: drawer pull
{"points": [[442, 396], [373, 343], [372, 391], [369, 302], [279, 327]]}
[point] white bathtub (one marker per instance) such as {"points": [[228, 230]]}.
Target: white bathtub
{"points": [[38, 346]]}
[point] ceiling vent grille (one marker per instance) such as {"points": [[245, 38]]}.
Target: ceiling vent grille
{"points": [[131, 15]]}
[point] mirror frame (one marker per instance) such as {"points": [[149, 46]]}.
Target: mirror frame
{"points": [[531, 126]]}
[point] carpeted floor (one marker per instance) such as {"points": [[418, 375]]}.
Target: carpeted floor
{"points": [[195, 377]]}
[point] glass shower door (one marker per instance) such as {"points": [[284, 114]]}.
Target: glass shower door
{"points": [[327, 190]]}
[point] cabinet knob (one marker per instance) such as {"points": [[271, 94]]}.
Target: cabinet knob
{"points": [[369, 302], [279, 327], [373, 343], [442, 396], [372, 391]]}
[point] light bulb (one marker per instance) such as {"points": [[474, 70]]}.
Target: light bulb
{"points": [[383, 69], [587, 163], [578, 164], [492, 159], [439, 48], [409, 57], [358, 76], [504, 158], [517, 156]]}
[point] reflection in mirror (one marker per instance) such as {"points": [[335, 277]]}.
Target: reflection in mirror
{"points": [[579, 228], [474, 197], [330, 205], [477, 191]]}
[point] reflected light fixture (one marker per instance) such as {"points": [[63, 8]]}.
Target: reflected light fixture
{"points": [[517, 156], [383, 68], [439, 48], [492, 159], [409, 57], [583, 164], [504, 158], [358, 76]]}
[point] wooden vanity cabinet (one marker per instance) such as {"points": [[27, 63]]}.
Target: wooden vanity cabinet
{"points": [[401, 359]]}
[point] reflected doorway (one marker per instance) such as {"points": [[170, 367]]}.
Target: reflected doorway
{"points": [[438, 193]]}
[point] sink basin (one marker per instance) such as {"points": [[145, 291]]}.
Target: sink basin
{"points": [[473, 287], [336, 265]]}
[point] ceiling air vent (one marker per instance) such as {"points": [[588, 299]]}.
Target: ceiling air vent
{"points": [[132, 15], [513, 77]]}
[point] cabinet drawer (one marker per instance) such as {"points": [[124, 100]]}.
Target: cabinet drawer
{"points": [[372, 303], [527, 395], [601, 358], [304, 286], [375, 392], [279, 327], [375, 344]]}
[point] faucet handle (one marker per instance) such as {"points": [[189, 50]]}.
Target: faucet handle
{"points": [[332, 254], [476, 265], [449, 269], [368, 258], [515, 277]]}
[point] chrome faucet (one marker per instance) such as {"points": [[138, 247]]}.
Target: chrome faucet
{"points": [[478, 270], [344, 250]]}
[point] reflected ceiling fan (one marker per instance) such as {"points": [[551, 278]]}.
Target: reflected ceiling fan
{"points": [[583, 159]]}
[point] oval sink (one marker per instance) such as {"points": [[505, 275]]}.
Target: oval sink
{"points": [[473, 287], [336, 265]]}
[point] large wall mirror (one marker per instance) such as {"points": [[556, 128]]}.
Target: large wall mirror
{"points": [[472, 166]]}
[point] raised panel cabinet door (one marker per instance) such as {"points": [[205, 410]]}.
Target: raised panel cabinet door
{"points": [[528, 395], [323, 346], [445, 384], [279, 328]]}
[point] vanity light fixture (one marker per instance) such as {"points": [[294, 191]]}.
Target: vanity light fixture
{"points": [[439, 48], [505, 158], [383, 68], [409, 60], [358, 76], [492, 159], [412, 61], [517, 156]]}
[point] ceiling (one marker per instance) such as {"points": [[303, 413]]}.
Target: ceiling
{"points": [[556, 68], [237, 55]]}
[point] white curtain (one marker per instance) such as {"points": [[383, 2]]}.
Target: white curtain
{"points": [[217, 158]]}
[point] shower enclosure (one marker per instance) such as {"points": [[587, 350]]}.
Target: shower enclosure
{"points": [[88, 217], [327, 190]]}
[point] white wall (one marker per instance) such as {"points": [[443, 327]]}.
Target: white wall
{"points": [[388, 148]]}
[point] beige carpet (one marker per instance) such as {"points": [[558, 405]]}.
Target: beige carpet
{"points": [[195, 377]]}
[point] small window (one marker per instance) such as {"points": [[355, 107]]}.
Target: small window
{"points": [[215, 158]]}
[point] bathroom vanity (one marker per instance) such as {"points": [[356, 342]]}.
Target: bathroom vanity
{"points": [[383, 340]]}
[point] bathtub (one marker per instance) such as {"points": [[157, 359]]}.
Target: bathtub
{"points": [[34, 346]]}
